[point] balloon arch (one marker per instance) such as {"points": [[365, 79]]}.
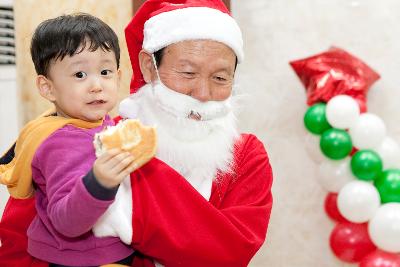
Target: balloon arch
{"points": [[359, 165]]}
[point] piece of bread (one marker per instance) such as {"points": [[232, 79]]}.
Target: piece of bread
{"points": [[128, 135]]}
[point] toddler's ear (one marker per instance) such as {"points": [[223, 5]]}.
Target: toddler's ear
{"points": [[119, 76], [45, 87]]}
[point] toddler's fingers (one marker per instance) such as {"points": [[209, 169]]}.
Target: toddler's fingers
{"points": [[121, 162], [109, 154], [116, 159], [132, 167], [128, 170]]}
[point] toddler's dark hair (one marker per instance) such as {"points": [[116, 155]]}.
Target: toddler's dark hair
{"points": [[64, 35]]}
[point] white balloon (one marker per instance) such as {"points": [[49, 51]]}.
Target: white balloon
{"points": [[311, 143], [358, 201], [368, 131], [334, 174], [384, 227], [389, 151], [342, 111]]}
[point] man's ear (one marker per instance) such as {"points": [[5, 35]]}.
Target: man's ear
{"points": [[45, 88], [146, 66]]}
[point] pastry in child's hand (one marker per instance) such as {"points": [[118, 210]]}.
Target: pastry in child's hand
{"points": [[128, 135]]}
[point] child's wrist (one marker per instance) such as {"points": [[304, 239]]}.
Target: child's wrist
{"points": [[98, 189]]}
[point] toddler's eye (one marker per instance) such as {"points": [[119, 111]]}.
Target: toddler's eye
{"points": [[105, 72], [80, 74]]}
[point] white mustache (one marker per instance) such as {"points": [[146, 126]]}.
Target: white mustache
{"points": [[184, 106]]}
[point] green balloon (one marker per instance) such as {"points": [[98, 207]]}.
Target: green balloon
{"points": [[388, 185], [335, 143], [366, 165], [315, 119]]}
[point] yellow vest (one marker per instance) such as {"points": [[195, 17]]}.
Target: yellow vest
{"points": [[17, 174]]}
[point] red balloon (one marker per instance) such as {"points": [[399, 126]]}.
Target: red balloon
{"points": [[331, 208], [350, 242], [381, 258]]}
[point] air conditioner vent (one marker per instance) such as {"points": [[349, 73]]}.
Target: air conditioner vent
{"points": [[7, 36]]}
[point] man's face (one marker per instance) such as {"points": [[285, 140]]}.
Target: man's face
{"points": [[202, 69]]}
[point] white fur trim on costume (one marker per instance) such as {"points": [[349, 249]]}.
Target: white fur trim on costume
{"points": [[128, 108], [192, 23], [117, 220]]}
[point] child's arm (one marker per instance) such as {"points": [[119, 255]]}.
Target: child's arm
{"points": [[64, 162]]}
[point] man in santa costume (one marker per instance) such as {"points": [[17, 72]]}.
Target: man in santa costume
{"points": [[205, 199]]}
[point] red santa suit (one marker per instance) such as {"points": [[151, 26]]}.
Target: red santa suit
{"points": [[175, 225]]}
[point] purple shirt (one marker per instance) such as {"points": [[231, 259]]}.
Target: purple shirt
{"points": [[66, 207]]}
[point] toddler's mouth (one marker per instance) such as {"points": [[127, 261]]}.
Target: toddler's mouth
{"points": [[97, 102]]}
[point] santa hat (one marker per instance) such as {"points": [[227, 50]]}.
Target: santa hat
{"points": [[159, 23]]}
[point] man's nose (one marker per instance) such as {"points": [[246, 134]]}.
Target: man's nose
{"points": [[202, 91]]}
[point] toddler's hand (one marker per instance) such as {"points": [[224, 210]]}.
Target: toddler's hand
{"points": [[112, 167]]}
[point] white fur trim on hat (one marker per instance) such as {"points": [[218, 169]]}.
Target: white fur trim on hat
{"points": [[192, 23]]}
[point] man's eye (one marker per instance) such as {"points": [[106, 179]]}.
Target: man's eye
{"points": [[105, 72], [220, 79], [188, 73], [80, 74]]}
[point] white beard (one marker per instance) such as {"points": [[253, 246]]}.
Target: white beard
{"points": [[197, 150]]}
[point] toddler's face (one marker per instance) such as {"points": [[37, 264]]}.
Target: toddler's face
{"points": [[84, 86]]}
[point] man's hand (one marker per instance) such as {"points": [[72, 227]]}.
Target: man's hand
{"points": [[112, 167]]}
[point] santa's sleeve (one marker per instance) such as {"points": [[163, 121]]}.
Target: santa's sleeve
{"points": [[14, 223], [173, 224], [17, 215]]}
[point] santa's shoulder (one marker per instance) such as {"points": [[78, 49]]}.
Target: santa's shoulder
{"points": [[247, 142], [249, 151]]}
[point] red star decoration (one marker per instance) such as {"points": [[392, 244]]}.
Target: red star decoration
{"points": [[332, 73]]}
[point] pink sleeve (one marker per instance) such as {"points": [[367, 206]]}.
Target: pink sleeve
{"points": [[59, 165]]}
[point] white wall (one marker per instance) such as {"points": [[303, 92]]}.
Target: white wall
{"points": [[8, 117], [276, 32]]}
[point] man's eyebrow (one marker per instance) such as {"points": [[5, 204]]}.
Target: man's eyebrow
{"points": [[182, 62], [186, 62], [225, 69]]}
